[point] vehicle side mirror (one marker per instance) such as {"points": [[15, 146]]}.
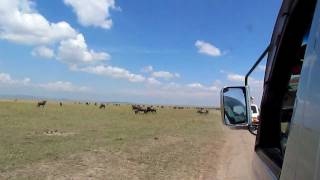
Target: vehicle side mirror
{"points": [[235, 106]]}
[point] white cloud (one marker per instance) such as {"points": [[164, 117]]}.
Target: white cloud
{"points": [[240, 78], [153, 81], [5, 79], [74, 51], [43, 52], [207, 48], [114, 72], [93, 12], [20, 23], [193, 93], [195, 85], [147, 69], [63, 86], [262, 68], [165, 75], [235, 77], [199, 86]]}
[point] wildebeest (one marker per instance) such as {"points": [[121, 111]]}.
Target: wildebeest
{"points": [[87, 103], [60, 104], [95, 104], [203, 111], [137, 108], [41, 103], [102, 106], [151, 109], [134, 107]]}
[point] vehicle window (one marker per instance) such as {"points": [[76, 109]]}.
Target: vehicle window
{"points": [[290, 95], [253, 109]]}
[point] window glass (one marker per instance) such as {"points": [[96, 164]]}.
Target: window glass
{"points": [[253, 109], [235, 106]]}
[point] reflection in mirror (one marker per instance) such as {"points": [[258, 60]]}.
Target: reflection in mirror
{"points": [[234, 102]]}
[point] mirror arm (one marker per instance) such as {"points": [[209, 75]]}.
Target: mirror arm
{"points": [[256, 64]]}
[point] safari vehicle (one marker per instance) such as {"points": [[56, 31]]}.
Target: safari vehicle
{"points": [[288, 139], [254, 113]]}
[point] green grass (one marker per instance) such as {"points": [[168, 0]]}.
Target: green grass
{"points": [[171, 144]]}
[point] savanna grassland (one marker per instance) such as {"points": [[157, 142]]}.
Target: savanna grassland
{"points": [[77, 141]]}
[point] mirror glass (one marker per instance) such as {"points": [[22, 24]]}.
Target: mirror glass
{"points": [[234, 105]]}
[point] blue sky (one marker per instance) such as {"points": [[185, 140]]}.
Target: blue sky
{"points": [[146, 51]]}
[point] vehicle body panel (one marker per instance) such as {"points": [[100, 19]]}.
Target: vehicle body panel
{"points": [[261, 170], [302, 156]]}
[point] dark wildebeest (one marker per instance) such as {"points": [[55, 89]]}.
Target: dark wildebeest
{"points": [[102, 106], [41, 103], [138, 108], [87, 103], [134, 107], [60, 104], [150, 109], [95, 104], [202, 111]]}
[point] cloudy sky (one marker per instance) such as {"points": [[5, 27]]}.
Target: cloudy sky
{"points": [[145, 51]]}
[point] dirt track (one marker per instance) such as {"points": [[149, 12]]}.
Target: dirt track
{"points": [[236, 156]]}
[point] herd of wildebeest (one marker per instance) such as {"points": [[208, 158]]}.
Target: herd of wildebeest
{"points": [[136, 108]]}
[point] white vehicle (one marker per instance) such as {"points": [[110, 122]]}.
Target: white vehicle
{"points": [[288, 139], [255, 114]]}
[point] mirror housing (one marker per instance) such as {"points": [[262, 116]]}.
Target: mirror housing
{"points": [[235, 106]]}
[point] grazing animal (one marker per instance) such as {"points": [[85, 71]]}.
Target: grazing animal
{"points": [[87, 103], [41, 103], [95, 104], [134, 107], [203, 111], [150, 109], [137, 109], [60, 104], [102, 106]]}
